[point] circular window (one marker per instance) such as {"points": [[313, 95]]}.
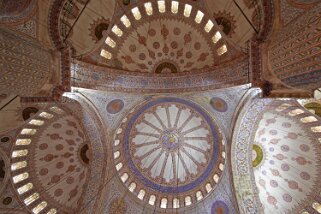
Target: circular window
{"points": [[170, 147]]}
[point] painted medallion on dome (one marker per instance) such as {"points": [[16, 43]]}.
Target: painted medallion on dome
{"points": [[257, 155], [219, 104], [219, 207], [115, 106]]}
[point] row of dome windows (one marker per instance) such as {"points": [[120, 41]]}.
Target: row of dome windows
{"points": [[16, 166], [316, 206], [163, 204], [299, 111], [161, 8], [152, 199]]}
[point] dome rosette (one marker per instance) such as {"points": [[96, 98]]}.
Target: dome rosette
{"points": [[169, 152]]}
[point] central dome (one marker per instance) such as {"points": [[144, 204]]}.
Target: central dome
{"points": [[171, 148]]}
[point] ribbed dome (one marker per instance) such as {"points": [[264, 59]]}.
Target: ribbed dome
{"points": [[173, 149]]}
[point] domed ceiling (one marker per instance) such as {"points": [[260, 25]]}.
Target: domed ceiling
{"points": [[166, 37], [169, 152], [82, 23], [286, 161], [232, 22], [151, 37], [50, 162]]}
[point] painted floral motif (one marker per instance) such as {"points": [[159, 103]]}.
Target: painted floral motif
{"points": [[165, 44], [289, 171], [171, 145]]}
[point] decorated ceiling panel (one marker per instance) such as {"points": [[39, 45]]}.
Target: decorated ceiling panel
{"points": [[174, 152], [82, 24], [286, 161], [281, 173], [232, 22], [161, 47], [50, 160], [163, 37]]}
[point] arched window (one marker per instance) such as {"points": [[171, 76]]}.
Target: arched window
{"points": [[209, 25], [215, 177], [296, 112], [175, 203], [136, 13], [116, 142], [283, 107], [19, 153], [163, 203], [316, 129], [161, 6], [124, 19], [39, 207], [199, 16], [208, 187], [46, 115], [36, 122], [221, 50], [124, 177], [21, 177], [317, 207], [152, 199], [187, 10], [119, 166], [107, 54], [141, 194], [116, 154], [174, 7], [18, 165], [56, 110], [217, 36], [25, 188], [199, 195], [23, 142], [52, 211], [148, 8], [223, 154], [308, 119], [188, 200], [28, 131], [132, 187], [31, 198]]}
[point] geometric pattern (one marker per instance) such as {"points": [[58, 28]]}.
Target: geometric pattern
{"points": [[170, 146]]}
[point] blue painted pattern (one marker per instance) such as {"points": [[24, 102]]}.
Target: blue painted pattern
{"points": [[212, 162]]}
